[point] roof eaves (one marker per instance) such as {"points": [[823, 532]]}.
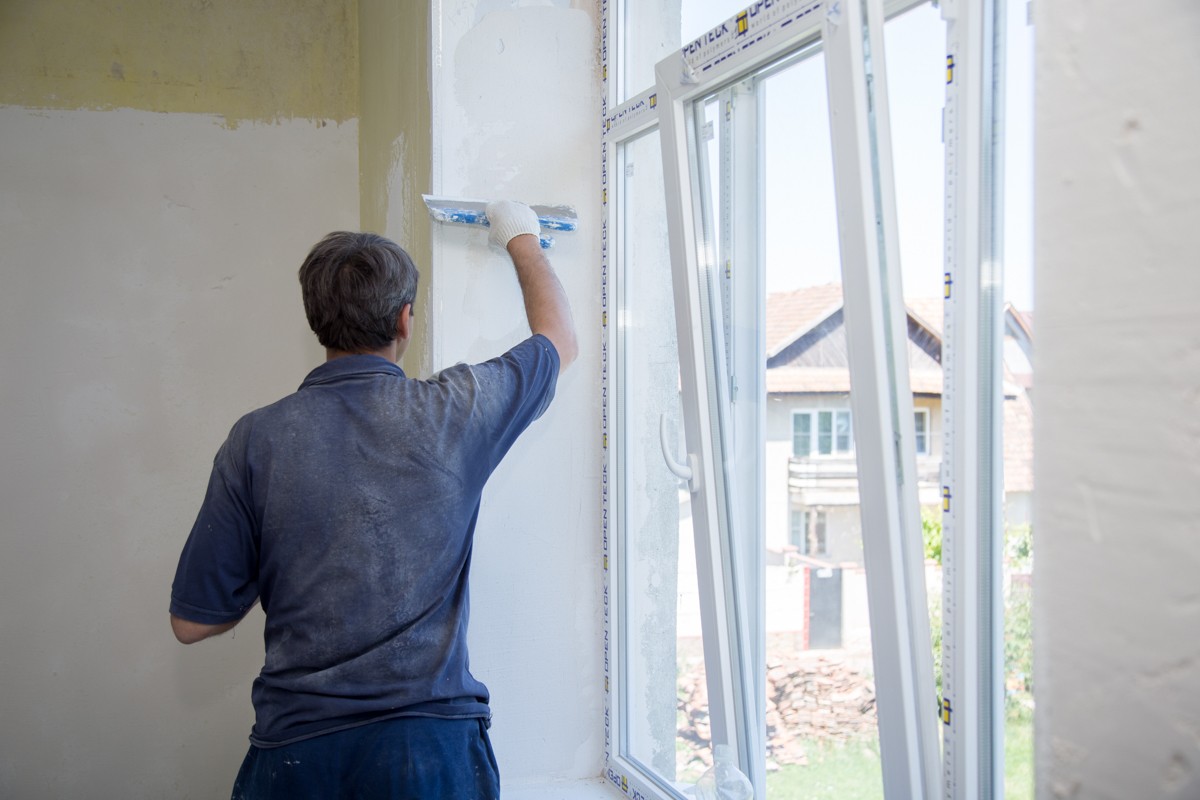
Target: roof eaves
{"points": [[924, 323], [1019, 317]]}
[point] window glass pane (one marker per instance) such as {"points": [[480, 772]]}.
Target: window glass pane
{"points": [[843, 432], [1018, 405], [660, 623], [916, 76], [916, 73], [652, 31], [801, 434], [798, 536], [819, 742], [825, 432], [822, 734]]}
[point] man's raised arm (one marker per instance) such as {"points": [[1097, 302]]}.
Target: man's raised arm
{"points": [[515, 228]]}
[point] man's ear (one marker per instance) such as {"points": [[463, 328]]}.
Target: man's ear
{"points": [[404, 323]]}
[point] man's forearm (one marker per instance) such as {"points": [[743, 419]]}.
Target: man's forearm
{"points": [[546, 304], [188, 632]]}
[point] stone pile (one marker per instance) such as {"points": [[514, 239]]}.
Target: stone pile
{"points": [[822, 698]]}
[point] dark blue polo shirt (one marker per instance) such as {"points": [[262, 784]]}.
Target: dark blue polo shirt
{"points": [[349, 509]]}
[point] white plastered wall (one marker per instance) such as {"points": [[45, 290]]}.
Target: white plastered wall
{"points": [[516, 115], [149, 299], [1117, 511]]}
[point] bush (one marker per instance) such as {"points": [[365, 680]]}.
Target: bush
{"points": [[1018, 622], [1018, 617], [931, 531]]}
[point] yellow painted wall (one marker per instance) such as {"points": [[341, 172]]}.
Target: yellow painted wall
{"points": [[258, 60], [394, 142]]}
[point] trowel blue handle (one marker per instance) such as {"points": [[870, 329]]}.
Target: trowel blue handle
{"points": [[471, 212], [469, 217]]}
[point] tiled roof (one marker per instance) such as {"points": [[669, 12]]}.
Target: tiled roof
{"points": [[822, 380], [1023, 318], [790, 314], [1018, 443]]}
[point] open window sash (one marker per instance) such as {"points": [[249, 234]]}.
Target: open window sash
{"points": [[712, 357]]}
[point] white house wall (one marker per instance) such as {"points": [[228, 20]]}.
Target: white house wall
{"points": [[778, 451]]}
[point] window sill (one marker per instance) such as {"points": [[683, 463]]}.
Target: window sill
{"points": [[590, 789]]}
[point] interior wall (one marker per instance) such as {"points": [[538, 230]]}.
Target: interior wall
{"points": [[149, 299], [515, 115], [1117, 597]]}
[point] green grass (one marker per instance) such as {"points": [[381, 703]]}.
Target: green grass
{"points": [[1018, 758], [853, 772]]}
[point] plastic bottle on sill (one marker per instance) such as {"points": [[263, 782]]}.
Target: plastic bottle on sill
{"points": [[723, 780]]}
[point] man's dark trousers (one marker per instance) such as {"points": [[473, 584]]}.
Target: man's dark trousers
{"points": [[409, 758]]}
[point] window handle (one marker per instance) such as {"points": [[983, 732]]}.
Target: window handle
{"points": [[687, 472]]}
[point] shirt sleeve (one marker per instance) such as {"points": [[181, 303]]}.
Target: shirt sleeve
{"points": [[217, 577], [511, 391]]}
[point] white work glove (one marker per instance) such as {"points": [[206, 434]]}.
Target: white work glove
{"points": [[509, 218]]}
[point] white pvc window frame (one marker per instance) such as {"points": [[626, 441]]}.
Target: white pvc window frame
{"points": [[972, 702], [627, 121]]}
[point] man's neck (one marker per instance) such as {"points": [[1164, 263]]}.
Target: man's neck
{"points": [[389, 352]]}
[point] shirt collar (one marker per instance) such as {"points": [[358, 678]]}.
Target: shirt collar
{"points": [[350, 367]]}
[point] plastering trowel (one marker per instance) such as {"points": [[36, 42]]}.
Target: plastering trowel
{"points": [[474, 212]]}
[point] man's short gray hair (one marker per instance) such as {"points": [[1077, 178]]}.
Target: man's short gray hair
{"points": [[354, 286]]}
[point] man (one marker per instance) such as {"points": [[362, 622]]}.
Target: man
{"points": [[348, 509]]}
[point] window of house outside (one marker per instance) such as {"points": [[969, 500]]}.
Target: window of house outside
{"points": [[921, 425], [807, 531], [821, 433]]}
